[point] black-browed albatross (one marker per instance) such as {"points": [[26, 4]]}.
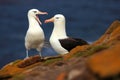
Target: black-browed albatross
{"points": [[59, 40], [35, 36]]}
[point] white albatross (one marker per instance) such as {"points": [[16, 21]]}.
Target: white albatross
{"points": [[59, 40], [34, 38]]}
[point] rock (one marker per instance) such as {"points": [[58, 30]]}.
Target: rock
{"points": [[10, 70], [62, 76], [107, 62], [75, 51], [113, 29], [76, 70], [29, 61], [98, 61]]}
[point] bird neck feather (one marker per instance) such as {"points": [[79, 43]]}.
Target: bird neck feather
{"points": [[32, 21], [59, 30]]}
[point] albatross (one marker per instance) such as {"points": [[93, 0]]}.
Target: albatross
{"points": [[34, 38], [59, 40]]}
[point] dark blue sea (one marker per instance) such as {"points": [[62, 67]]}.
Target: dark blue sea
{"points": [[86, 19]]}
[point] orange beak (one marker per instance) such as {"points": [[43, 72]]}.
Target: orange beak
{"points": [[37, 18], [40, 12], [49, 20]]}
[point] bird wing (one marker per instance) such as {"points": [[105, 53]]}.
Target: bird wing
{"points": [[70, 43]]}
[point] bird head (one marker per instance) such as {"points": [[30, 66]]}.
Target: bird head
{"points": [[34, 13], [58, 18]]}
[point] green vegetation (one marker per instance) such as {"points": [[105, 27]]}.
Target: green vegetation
{"points": [[18, 77], [15, 62], [92, 50], [50, 61]]}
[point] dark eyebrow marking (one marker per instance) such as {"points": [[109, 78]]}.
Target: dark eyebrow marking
{"points": [[57, 17], [35, 11]]}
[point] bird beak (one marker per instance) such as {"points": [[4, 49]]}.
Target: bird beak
{"points": [[40, 12], [49, 20], [37, 18]]}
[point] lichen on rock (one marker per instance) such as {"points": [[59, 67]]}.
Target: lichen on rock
{"points": [[97, 61]]}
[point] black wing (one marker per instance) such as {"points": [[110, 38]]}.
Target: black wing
{"points": [[70, 43]]}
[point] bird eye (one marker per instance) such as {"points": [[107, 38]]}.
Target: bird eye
{"points": [[57, 17], [35, 11]]}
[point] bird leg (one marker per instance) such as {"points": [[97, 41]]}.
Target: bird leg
{"points": [[26, 55], [40, 55]]}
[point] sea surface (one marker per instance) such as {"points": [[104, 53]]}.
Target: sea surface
{"points": [[86, 19]]}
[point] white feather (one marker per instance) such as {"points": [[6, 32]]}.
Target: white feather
{"points": [[35, 36], [58, 33]]}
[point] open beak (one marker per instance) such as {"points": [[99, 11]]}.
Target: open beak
{"points": [[37, 18], [49, 20]]}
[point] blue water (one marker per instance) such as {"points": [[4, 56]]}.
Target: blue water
{"points": [[87, 19]]}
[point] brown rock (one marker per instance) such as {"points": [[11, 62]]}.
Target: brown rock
{"points": [[62, 76], [106, 63], [111, 31], [9, 70], [101, 58], [75, 51], [29, 61]]}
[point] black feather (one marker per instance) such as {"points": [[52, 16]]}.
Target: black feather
{"points": [[70, 43]]}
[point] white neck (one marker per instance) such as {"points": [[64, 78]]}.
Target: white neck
{"points": [[32, 22], [59, 30]]}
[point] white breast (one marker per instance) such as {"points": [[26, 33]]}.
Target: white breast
{"points": [[58, 32], [34, 38], [57, 46]]}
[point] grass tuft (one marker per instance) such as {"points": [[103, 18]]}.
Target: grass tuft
{"points": [[18, 77], [92, 50], [50, 61], [15, 62]]}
